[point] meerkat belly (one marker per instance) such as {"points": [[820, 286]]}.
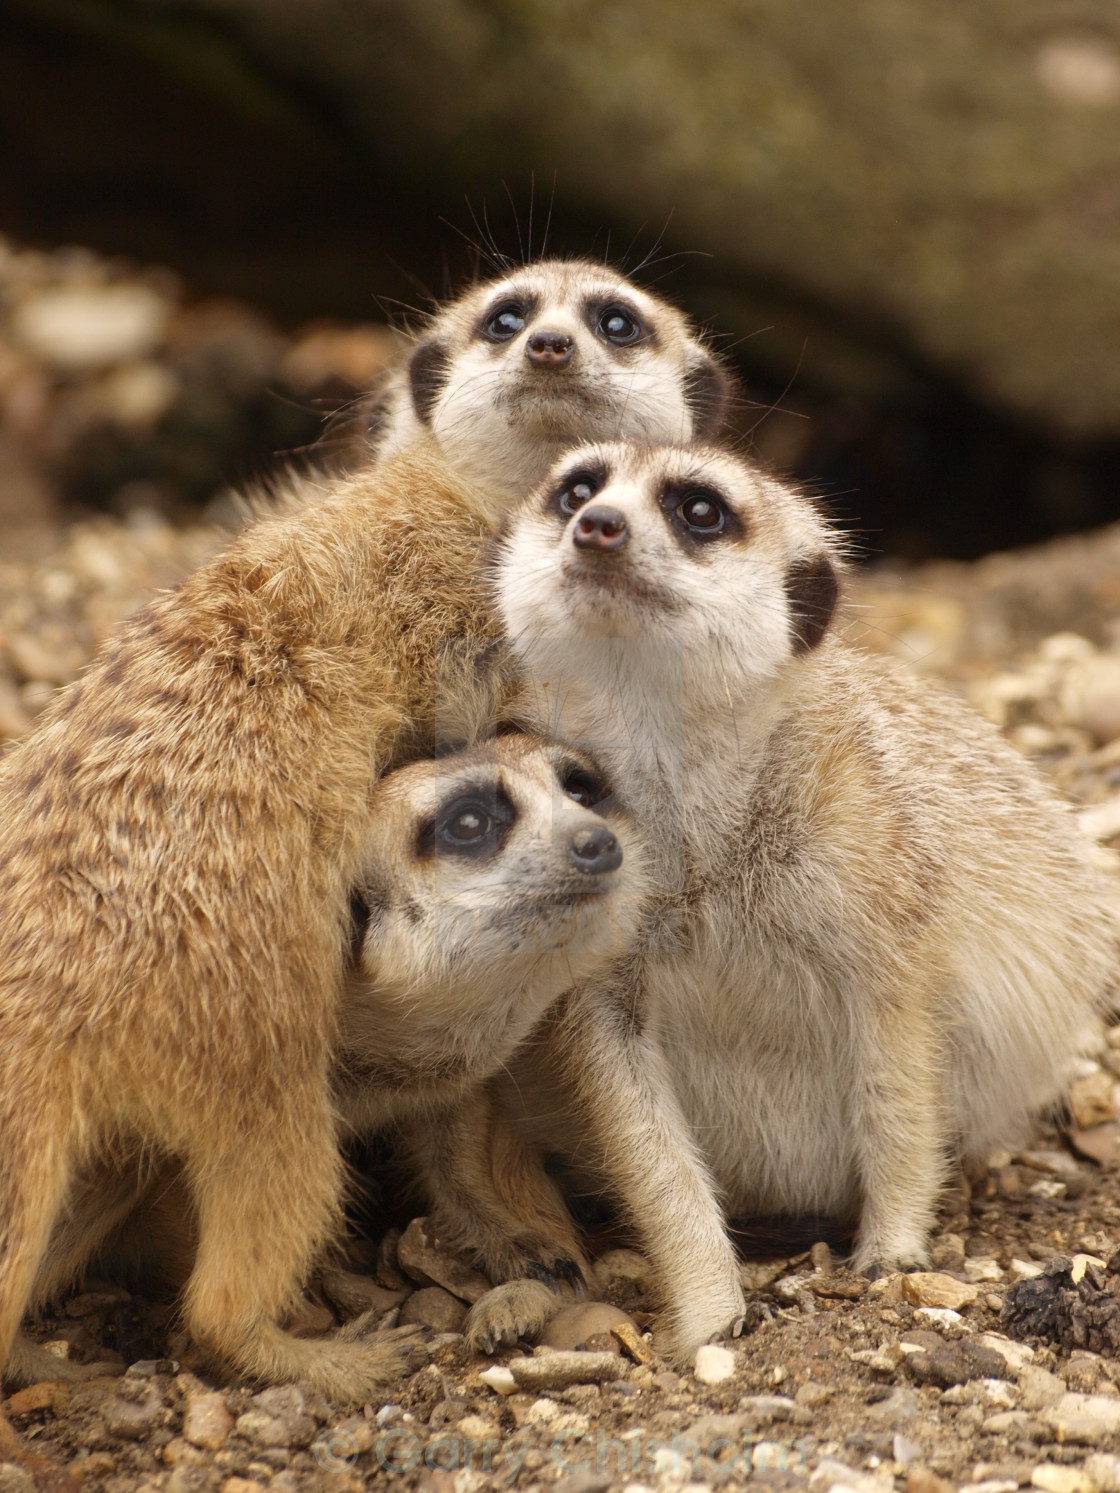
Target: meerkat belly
{"points": [[760, 1064]]}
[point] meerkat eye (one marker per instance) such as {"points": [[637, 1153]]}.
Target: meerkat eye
{"points": [[583, 786], [505, 322], [464, 826], [702, 514], [577, 490], [617, 325], [471, 824]]}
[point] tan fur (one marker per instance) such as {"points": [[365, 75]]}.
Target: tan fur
{"points": [[461, 955], [178, 840], [877, 937]]}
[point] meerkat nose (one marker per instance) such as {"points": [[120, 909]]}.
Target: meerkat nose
{"points": [[600, 528], [596, 850], [549, 349]]}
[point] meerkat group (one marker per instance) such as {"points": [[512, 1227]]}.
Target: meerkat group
{"points": [[861, 931], [183, 836]]}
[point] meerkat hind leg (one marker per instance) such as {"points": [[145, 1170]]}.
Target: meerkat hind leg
{"points": [[98, 1203], [490, 1195], [34, 1175], [265, 1210]]}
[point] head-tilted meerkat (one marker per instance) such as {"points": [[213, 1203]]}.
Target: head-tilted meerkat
{"points": [[491, 885], [522, 367]]}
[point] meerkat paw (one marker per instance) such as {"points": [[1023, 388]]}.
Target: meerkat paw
{"points": [[874, 1257], [518, 1311], [30, 1363], [350, 1367], [691, 1325]]}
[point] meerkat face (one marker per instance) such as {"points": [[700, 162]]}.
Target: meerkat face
{"points": [[553, 353], [493, 884], [722, 571]]}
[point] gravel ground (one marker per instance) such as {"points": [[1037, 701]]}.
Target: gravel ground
{"points": [[996, 1370]]}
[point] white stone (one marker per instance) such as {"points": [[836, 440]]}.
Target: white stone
{"points": [[499, 1378], [1084, 1418], [977, 1271], [1040, 1388], [1024, 1269], [90, 326], [833, 1477], [1103, 1471], [713, 1364], [937, 1316], [1016, 1355], [1053, 1478]]}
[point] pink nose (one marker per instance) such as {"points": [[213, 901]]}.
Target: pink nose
{"points": [[600, 529], [549, 349]]}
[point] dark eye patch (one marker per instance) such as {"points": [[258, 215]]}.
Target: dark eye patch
{"points": [[576, 488], [699, 513], [507, 317], [582, 784], [618, 323], [472, 822]]}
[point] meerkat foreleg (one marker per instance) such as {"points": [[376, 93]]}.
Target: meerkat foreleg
{"points": [[632, 1118], [647, 1149], [897, 1127]]}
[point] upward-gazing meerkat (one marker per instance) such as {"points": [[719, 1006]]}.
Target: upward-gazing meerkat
{"points": [[546, 356], [877, 936], [487, 886], [178, 843]]}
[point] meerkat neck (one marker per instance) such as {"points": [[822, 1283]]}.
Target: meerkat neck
{"points": [[667, 726]]}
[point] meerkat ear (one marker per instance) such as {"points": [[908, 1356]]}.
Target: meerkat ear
{"points": [[365, 914], [706, 391], [812, 589], [427, 374]]}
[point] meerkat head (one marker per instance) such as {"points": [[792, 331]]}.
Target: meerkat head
{"points": [[685, 556], [493, 883], [520, 368]]}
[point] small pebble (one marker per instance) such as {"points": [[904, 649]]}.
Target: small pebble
{"points": [[713, 1364], [1054, 1478]]}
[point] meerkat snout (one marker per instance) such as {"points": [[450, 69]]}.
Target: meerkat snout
{"points": [[600, 528], [595, 851], [550, 349]]}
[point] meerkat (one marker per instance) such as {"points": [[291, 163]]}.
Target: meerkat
{"points": [[551, 354], [178, 842], [487, 886], [876, 936]]}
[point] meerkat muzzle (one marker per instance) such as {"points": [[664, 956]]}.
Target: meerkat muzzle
{"points": [[600, 528], [595, 851]]}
